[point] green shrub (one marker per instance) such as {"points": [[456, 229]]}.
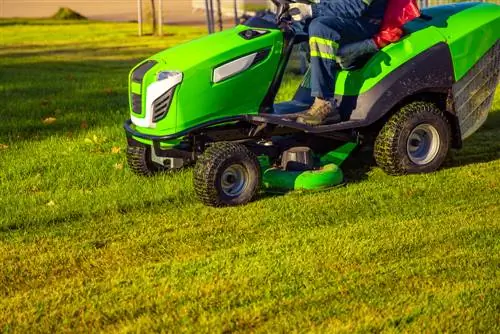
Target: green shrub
{"points": [[65, 13]]}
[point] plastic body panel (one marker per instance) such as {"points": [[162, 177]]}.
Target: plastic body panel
{"points": [[326, 174], [386, 61], [470, 29], [197, 98], [430, 71]]}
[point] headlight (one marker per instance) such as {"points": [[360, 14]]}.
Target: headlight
{"points": [[177, 76]]}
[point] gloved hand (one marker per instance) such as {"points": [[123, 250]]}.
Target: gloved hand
{"points": [[347, 54], [300, 11]]}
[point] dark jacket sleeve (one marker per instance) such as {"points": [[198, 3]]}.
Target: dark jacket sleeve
{"points": [[317, 9], [351, 9]]}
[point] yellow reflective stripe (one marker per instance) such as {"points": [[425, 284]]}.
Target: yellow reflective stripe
{"points": [[323, 48], [314, 47], [368, 2], [323, 41], [322, 55]]}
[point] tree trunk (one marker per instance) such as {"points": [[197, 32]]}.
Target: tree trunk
{"points": [[219, 14], [208, 9], [236, 17], [153, 16], [139, 16]]}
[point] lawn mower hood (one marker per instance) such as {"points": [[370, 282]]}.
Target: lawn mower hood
{"points": [[200, 81]]}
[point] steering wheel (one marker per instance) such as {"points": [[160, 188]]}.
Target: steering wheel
{"points": [[283, 9], [287, 2]]}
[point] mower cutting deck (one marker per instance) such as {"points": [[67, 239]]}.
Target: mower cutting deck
{"points": [[211, 102]]}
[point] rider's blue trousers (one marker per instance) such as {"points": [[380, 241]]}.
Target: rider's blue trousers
{"points": [[339, 22]]}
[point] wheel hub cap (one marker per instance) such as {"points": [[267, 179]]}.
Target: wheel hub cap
{"points": [[234, 180], [423, 144]]}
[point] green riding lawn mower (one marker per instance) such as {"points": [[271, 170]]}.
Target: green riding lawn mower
{"points": [[211, 103]]}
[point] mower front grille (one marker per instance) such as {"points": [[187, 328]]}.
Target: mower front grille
{"points": [[137, 77], [162, 104], [140, 72], [136, 103]]}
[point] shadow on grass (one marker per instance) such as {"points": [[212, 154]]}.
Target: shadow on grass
{"points": [[70, 50], [42, 221], [357, 166], [91, 92], [483, 146]]}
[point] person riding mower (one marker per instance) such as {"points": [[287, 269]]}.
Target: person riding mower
{"points": [[340, 32], [211, 102], [331, 24]]}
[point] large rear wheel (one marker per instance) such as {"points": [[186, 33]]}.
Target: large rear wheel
{"points": [[227, 174], [415, 140]]}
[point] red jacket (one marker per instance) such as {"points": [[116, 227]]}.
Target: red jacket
{"points": [[397, 13]]}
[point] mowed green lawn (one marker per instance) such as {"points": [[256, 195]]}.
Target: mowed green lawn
{"points": [[87, 246]]}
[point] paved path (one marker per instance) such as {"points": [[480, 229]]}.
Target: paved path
{"points": [[176, 11]]}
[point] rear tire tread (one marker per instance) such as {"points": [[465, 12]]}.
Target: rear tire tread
{"points": [[387, 144]]}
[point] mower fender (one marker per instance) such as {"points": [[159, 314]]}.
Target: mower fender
{"points": [[430, 71]]}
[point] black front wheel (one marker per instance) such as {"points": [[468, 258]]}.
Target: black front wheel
{"points": [[227, 174], [139, 161], [415, 140]]}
